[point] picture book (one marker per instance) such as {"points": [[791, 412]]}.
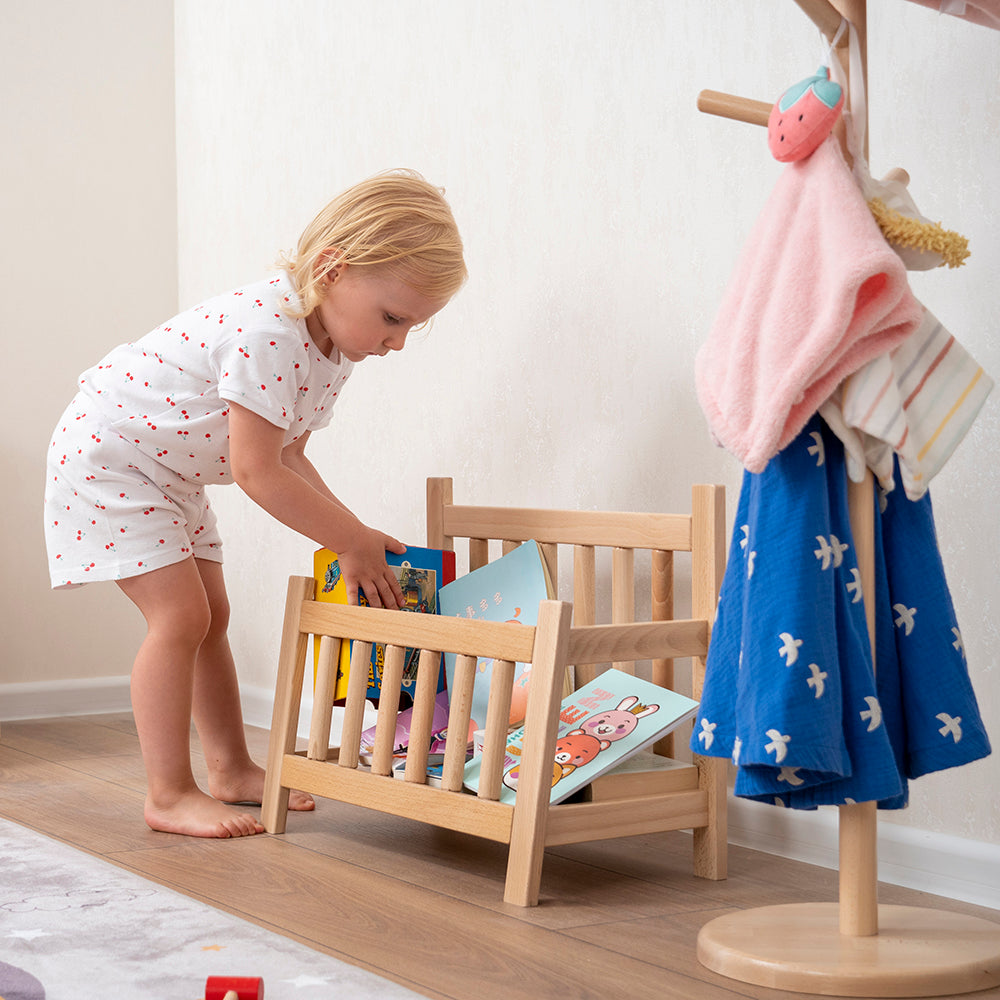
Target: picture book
{"points": [[401, 739], [607, 721], [508, 589], [421, 574]]}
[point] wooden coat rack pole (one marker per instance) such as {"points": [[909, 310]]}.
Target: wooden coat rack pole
{"points": [[854, 947]]}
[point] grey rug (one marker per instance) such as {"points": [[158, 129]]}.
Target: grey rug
{"points": [[73, 927]]}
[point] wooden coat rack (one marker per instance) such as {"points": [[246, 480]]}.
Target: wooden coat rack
{"points": [[853, 947]]}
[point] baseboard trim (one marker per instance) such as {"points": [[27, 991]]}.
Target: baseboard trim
{"points": [[106, 695], [63, 699], [938, 863]]}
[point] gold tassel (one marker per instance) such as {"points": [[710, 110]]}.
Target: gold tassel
{"points": [[927, 236]]}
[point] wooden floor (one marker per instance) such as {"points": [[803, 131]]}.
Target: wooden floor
{"points": [[420, 906]]}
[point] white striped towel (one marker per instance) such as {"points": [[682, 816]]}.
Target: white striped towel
{"points": [[918, 401]]}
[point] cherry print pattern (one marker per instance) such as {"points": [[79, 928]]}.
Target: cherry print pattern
{"points": [[115, 450]]}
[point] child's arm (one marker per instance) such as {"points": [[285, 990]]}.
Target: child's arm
{"points": [[287, 486], [294, 456]]}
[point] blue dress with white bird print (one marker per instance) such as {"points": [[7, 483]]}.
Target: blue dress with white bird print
{"points": [[791, 693]]}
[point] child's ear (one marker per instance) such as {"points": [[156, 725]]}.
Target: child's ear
{"points": [[330, 263]]}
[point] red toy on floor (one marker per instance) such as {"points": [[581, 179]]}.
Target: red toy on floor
{"points": [[234, 988]]}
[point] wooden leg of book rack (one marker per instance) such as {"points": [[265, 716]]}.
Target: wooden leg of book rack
{"points": [[855, 948]]}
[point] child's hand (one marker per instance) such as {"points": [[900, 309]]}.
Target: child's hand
{"points": [[363, 566]]}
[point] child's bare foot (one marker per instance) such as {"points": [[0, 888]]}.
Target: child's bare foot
{"points": [[196, 814], [248, 787]]}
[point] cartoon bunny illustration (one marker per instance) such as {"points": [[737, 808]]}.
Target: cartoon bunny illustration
{"points": [[617, 723]]}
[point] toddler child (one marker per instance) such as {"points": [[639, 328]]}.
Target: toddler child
{"points": [[231, 391]]}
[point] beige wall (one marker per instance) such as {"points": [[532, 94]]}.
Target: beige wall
{"points": [[89, 251], [602, 216]]}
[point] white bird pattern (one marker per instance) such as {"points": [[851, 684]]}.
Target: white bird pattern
{"points": [[831, 552], [873, 716], [817, 449], [816, 682], [854, 587], [791, 775], [778, 745], [952, 725], [905, 619], [789, 647], [959, 643], [707, 734]]}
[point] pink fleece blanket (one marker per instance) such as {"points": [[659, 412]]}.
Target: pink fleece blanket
{"points": [[817, 293]]}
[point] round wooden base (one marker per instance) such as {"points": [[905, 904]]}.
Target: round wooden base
{"points": [[799, 947]]}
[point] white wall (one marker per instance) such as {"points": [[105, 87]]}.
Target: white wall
{"points": [[88, 212], [602, 215]]}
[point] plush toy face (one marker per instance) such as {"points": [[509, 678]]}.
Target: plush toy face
{"points": [[804, 116]]}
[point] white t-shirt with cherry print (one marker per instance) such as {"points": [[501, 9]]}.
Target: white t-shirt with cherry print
{"points": [[168, 393]]}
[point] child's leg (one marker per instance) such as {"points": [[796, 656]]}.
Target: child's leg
{"points": [[176, 607], [233, 775]]}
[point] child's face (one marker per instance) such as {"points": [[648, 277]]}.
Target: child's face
{"points": [[365, 312]]}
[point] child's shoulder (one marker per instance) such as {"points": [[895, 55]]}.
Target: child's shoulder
{"points": [[275, 292], [264, 306]]}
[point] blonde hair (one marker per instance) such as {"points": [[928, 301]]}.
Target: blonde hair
{"points": [[395, 221]]}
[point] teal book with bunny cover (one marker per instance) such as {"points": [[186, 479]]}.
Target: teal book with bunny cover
{"points": [[607, 721]]}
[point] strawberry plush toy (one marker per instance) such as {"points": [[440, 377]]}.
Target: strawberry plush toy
{"points": [[804, 116]]}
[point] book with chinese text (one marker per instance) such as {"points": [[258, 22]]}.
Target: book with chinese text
{"points": [[509, 589]]}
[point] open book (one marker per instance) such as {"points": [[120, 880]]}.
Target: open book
{"points": [[603, 723]]}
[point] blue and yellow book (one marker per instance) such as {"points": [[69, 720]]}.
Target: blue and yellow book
{"points": [[421, 574]]}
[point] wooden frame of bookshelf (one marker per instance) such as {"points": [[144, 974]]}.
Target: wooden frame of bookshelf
{"points": [[697, 802]]}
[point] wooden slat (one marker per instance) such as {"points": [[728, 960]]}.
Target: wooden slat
{"points": [[498, 640], [453, 811], [550, 558], [459, 716], [661, 610], [623, 596], [479, 553], [439, 496], [354, 711], [584, 602], [323, 690], [571, 527], [497, 725], [421, 724], [577, 822], [388, 709], [639, 640]]}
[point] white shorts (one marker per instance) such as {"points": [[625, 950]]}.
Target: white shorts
{"points": [[112, 512]]}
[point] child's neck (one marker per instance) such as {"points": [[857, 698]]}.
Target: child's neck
{"points": [[321, 340]]}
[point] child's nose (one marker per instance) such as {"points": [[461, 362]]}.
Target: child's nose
{"points": [[396, 341]]}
